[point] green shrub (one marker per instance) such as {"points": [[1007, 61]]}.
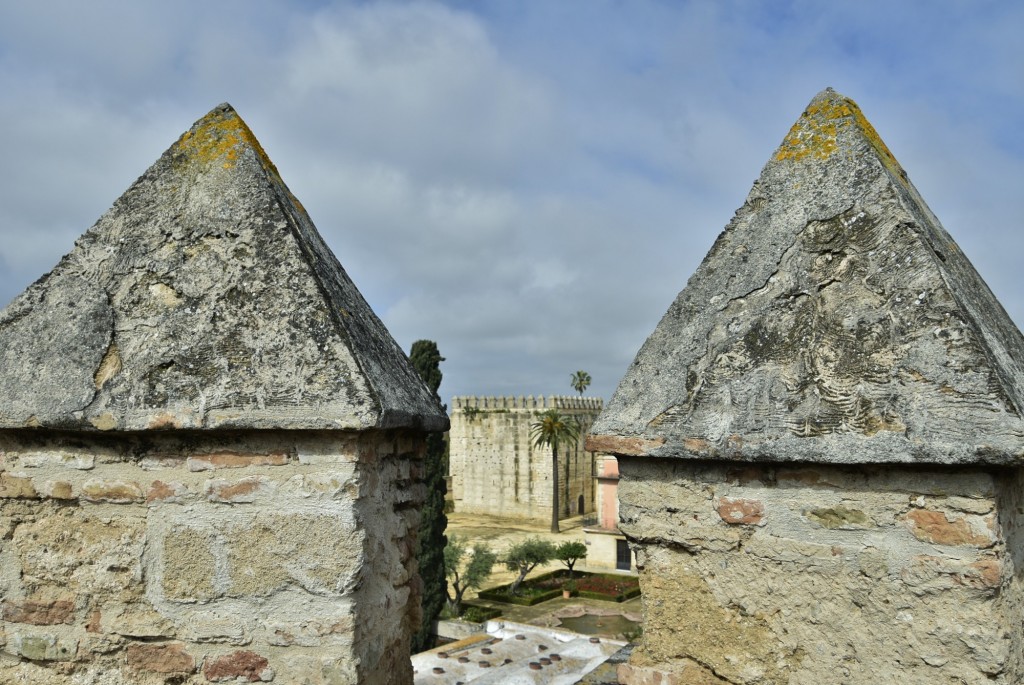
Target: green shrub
{"points": [[570, 552], [474, 613]]}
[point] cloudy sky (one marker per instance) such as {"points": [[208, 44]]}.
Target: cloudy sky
{"points": [[529, 184]]}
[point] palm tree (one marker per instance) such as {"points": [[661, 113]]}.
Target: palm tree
{"points": [[580, 381], [553, 430]]}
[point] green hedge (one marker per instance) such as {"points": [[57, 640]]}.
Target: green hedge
{"points": [[500, 594], [474, 613]]}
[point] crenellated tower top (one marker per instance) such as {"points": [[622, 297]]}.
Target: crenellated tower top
{"points": [[529, 402]]}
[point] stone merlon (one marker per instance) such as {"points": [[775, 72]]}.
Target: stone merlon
{"points": [[204, 298], [834, 320]]}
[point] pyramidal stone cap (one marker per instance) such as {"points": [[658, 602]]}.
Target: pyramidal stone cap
{"points": [[834, 320], [204, 298]]}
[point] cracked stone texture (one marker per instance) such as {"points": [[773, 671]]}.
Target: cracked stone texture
{"points": [[205, 298], [834, 320]]}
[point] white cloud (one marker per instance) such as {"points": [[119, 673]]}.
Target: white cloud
{"points": [[528, 184], [418, 86]]}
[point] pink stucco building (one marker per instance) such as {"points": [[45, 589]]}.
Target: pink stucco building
{"points": [[607, 546]]}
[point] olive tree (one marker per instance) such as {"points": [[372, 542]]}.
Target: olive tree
{"points": [[570, 552], [465, 568], [525, 556]]}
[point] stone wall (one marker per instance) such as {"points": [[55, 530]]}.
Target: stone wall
{"points": [[186, 558], [834, 327], [1010, 496], [496, 470], [810, 574]]}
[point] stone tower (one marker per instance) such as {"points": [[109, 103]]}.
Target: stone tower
{"points": [[209, 444], [496, 470], [821, 442]]}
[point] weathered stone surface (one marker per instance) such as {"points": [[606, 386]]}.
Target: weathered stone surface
{"points": [[135, 620], [160, 658], [214, 626], [204, 298], [115, 492], [56, 489], [1011, 573], [241, 490], [71, 460], [267, 554], [834, 320], [83, 553], [315, 573], [939, 528], [94, 622], [39, 613], [160, 491], [686, 672], [42, 646], [189, 566], [840, 583], [45, 377], [244, 666], [839, 517], [16, 487], [234, 460], [741, 511]]}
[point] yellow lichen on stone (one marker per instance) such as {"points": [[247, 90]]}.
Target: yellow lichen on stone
{"points": [[876, 142], [218, 137], [215, 139], [815, 133]]}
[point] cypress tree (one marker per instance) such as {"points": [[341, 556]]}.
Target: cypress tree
{"points": [[427, 360]]}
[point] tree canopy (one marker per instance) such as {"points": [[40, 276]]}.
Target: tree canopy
{"points": [[426, 360], [465, 572], [580, 381], [525, 556], [570, 552]]}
